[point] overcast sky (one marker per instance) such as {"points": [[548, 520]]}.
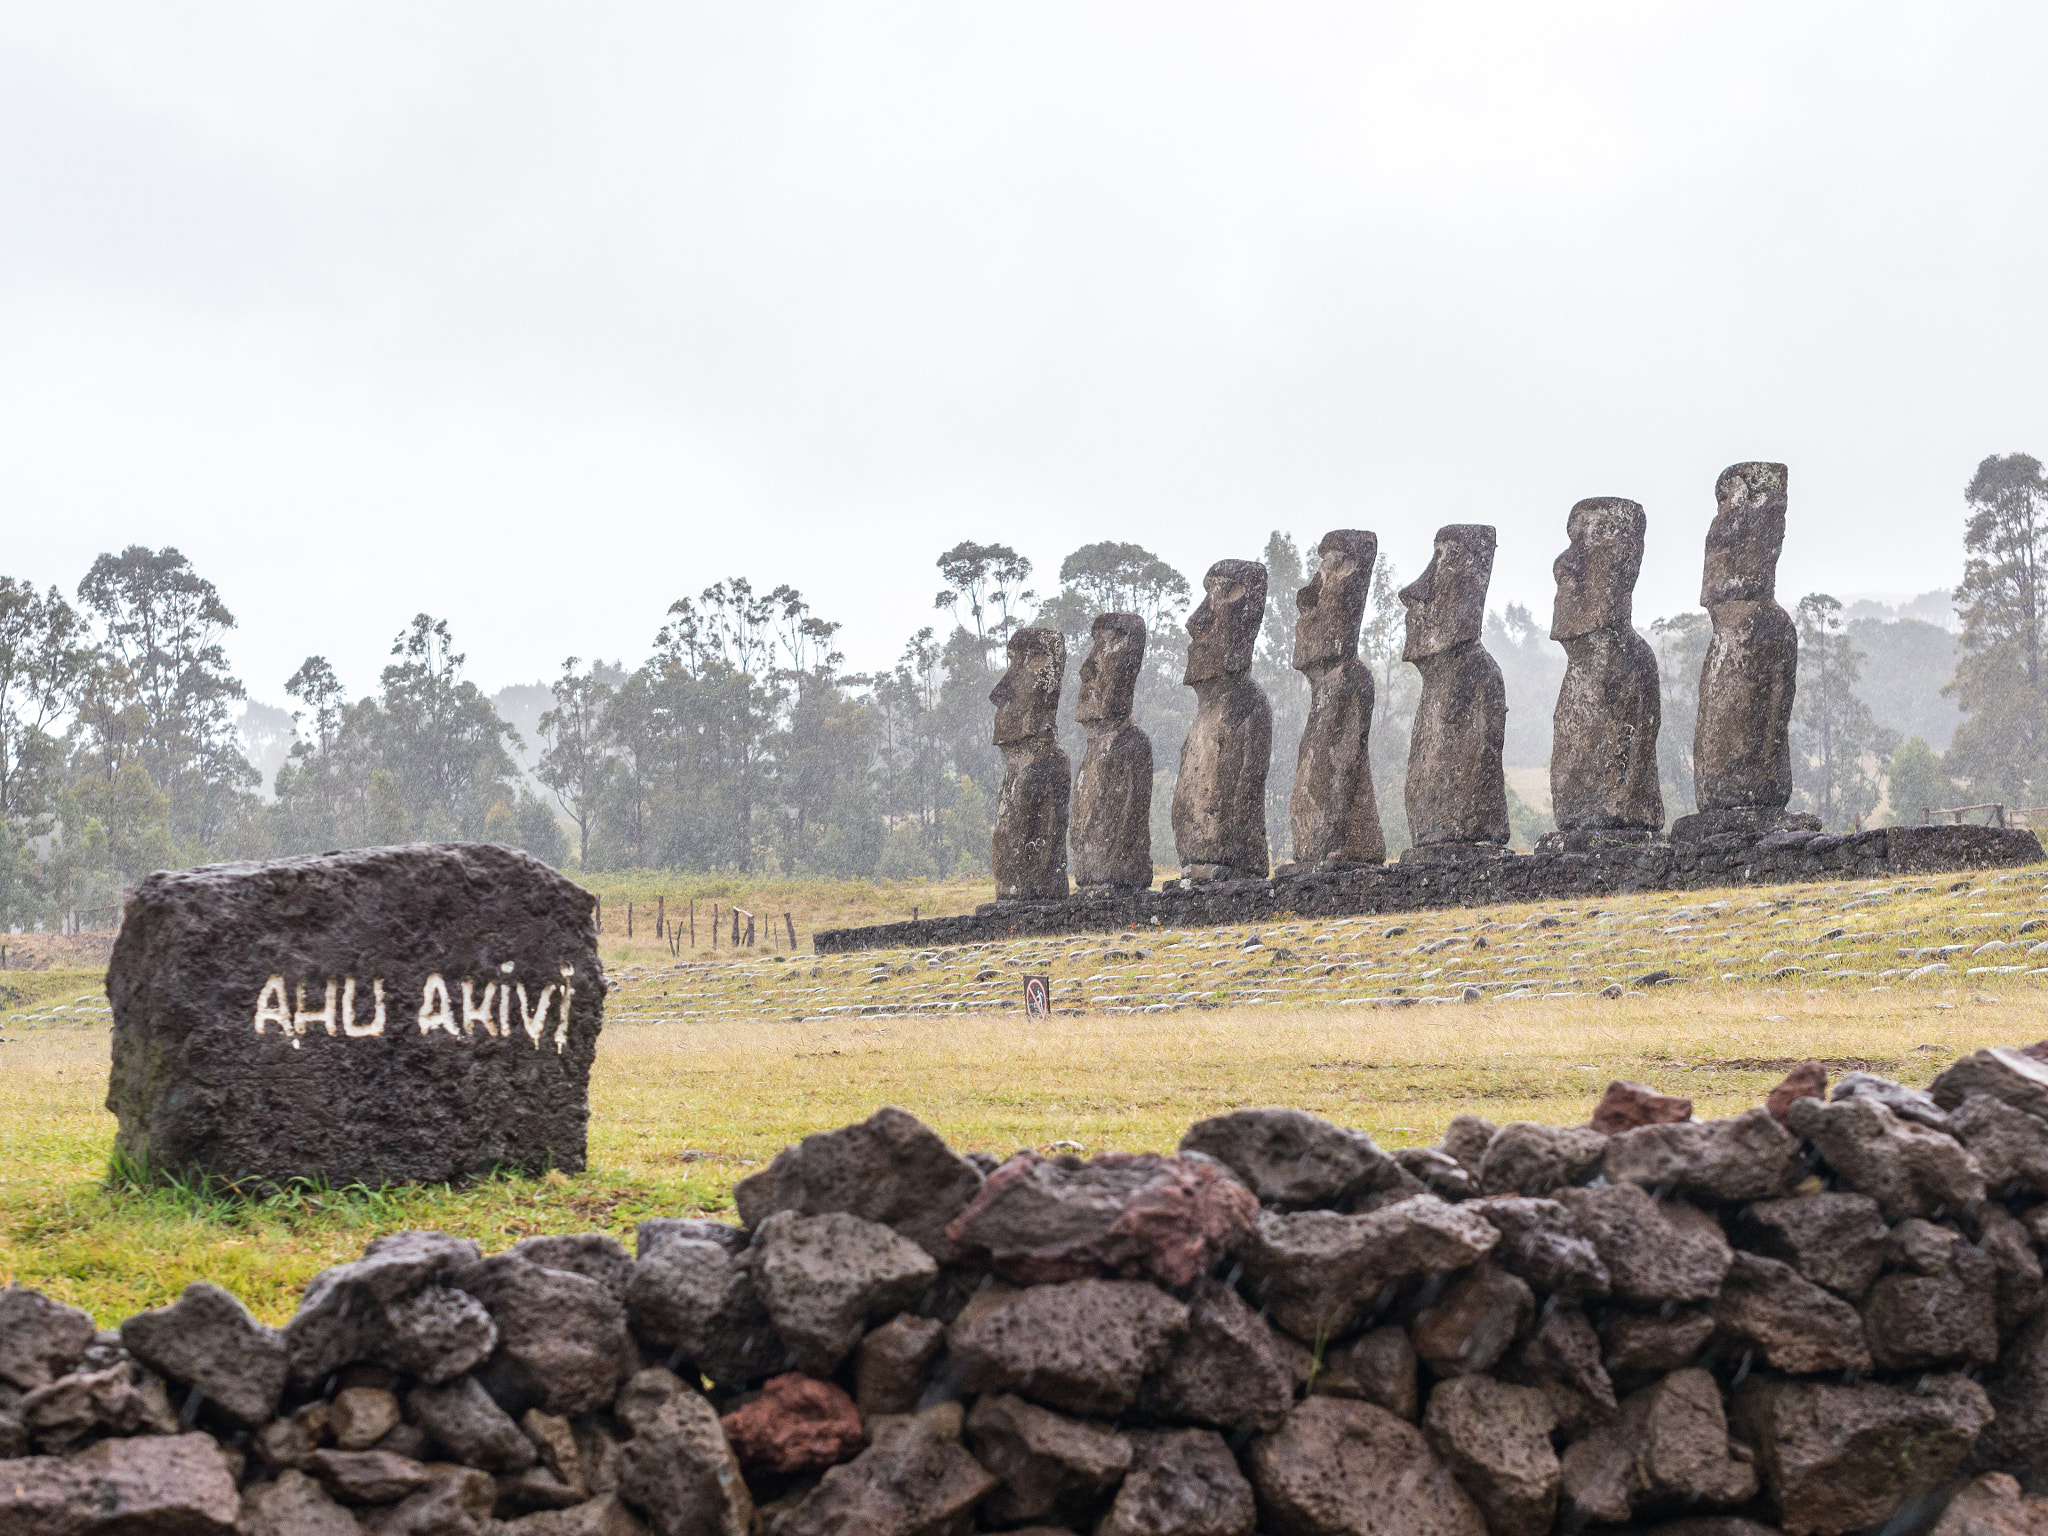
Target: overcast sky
{"points": [[537, 318]]}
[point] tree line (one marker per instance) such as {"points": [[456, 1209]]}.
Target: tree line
{"points": [[741, 742]]}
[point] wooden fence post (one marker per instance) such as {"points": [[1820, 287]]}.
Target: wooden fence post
{"points": [[791, 923], [693, 922], [629, 919], [735, 927], [714, 925], [600, 914], [660, 917]]}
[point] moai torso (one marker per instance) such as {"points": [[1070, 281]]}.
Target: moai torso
{"points": [[1332, 812], [1112, 830], [1456, 790], [1029, 853], [1219, 800], [1603, 752], [1742, 749]]}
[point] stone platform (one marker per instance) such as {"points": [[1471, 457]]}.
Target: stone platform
{"points": [[1782, 858]]}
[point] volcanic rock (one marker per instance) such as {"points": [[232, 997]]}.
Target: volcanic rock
{"points": [[1051, 1467], [207, 1339], [1340, 1468], [824, 1278], [1744, 1157], [1182, 1482], [1083, 1346], [1290, 1159], [1495, 1438], [1654, 1250], [797, 1424], [1835, 1240], [677, 1469], [1625, 1106]]}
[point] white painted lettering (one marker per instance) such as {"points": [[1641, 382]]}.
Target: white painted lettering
{"points": [[436, 1012], [568, 997], [472, 1014], [302, 1018], [535, 1019], [349, 1026], [272, 1008], [504, 1007]]}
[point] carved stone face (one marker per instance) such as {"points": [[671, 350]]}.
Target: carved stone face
{"points": [[1596, 576], [1747, 532], [1332, 605], [1109, 674], [1027, 698], [1447, 603], [1224, 629]]}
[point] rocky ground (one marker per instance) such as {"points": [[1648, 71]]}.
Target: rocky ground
{"points": [[1822, 1316], [1934, 934]]}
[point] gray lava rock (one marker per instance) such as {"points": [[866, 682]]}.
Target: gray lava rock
{"points": [[1496, 1440], [1839, 1458], [454, 1502], [473, 1428], [1377, 1367], [824, 1278], [118, 1400], [656, 1230], [1906, 1168], [437, 1334], [2017, 1439], [343, 1316], [1920, 1322], [1437, 1172], [1525, 1158], [2006, 1074], [1083, 1346], [1565, 1349], [1466, 1139], [1121, 1214], [161, 1485], [1744, 1157], [1292, 1160], [1472, 1321], [677, 1469], [594, 1255], [914, 1478], [207, 1339], [1540, 1241], [562, 1339], [2005, 1243], [248, 1042], [368, 1477], [1227, 1371], [1182, 1482], [359, 1417], [1654, 1250], [892, 1364], [40, 1339], [294, 1505], [1906, 1103], [1991, 1505], [1344, 1468], [1793, 1323], [700, 1298], [1668, 1447], [605, 1515], [1051, 1467], [890, 1168], [2010, 1145], [1835, 1240], [1319, 1272], [1655, 1342]]}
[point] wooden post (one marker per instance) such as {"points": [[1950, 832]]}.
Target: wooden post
{"points": [[629, 919], [735, 927], [714, 925], [1926, 815], [600, 914], [1998, 811], [750, 930], [693, 922], [660, 917], [790, 922]]}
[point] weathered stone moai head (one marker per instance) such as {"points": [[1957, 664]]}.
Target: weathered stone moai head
{"points": [[1332, 605], [1109, 673], [1027, 698], [1596, 576], [1223, 631], [1747, 532], [1447, 603]]}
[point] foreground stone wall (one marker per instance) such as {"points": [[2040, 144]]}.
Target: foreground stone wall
{"points": [[1602, 868], [1820, 1317]]}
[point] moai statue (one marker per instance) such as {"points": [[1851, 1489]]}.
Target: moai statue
{"points": [[1741, 747], [1030, 852], [1457, 795], [1332, 811], [1112, 833], [1219, 803], [1603, 745]]}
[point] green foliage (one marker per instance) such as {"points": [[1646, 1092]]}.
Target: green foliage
{"points": [[1915, 782], [1836, 744], [2002, 748], [1681, 644], [1525, 822]]}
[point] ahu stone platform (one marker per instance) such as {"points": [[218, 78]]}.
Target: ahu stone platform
{"points": [[1487, 879]]}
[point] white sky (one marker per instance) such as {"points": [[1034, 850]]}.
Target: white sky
{"points": [[540, 317]]}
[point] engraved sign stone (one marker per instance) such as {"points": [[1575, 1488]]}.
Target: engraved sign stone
{"points": [[386, 1015]]}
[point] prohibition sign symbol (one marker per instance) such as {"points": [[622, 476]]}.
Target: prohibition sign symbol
{"points": [[1037, 997]]}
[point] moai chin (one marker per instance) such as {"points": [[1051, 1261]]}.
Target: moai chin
{"points": [[1030, 848], [1603, 749], [1112, 831], [1742, 749], [1456, 790], [1219, 801], [1332, 812]]}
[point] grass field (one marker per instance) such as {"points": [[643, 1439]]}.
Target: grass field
{"points": [[705, 1070]]}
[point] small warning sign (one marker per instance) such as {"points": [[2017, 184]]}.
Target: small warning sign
{"points": [[1037, 997]]}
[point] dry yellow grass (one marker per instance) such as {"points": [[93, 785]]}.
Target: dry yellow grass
{"points": [[679, 1112]]}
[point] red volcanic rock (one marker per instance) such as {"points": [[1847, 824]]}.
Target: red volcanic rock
{"points": [[1121, 1214], [797, 1424], [1624, 1106], [1808, 1080]]}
